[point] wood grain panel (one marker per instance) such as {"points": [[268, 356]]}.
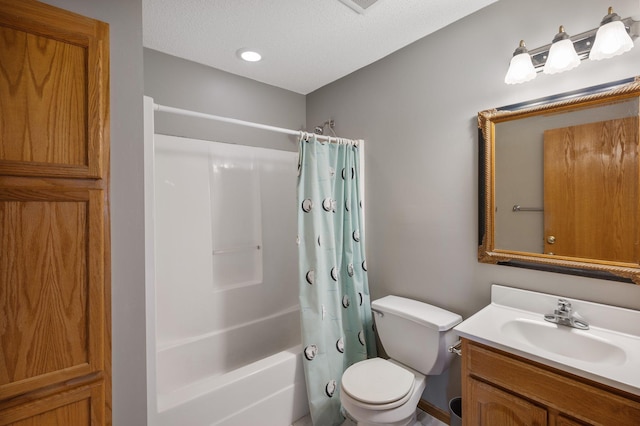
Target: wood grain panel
{"points": [[491, 406], [43, 116], [54, 108], [591, 190], [82, 405], [55, 349], [565, 421], [43, 288], [51, 286], [77, 413]]}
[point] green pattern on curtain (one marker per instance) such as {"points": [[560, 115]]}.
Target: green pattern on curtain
{"points": [[337, 326]]}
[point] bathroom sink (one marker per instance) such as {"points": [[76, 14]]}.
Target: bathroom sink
{"points": [[564, 341], [607, 352]]}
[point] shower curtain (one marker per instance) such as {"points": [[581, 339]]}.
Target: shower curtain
{"points": [[337, 326]]}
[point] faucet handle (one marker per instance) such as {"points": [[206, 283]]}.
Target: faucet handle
{"points": [[563, 315], [564, 306]]}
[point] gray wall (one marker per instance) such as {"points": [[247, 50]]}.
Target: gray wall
{"points": [[179, 83], [127, 215], [417, 111]]}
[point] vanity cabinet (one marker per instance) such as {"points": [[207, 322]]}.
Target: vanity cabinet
{"points": [[500, 389]]}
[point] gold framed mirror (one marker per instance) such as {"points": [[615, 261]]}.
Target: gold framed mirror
{"points": [[559, 184]]}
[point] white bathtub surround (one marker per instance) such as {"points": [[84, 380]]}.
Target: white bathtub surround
{"points": [[223, 313]]}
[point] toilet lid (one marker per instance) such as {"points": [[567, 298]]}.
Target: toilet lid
{"points": [[377, 381]]}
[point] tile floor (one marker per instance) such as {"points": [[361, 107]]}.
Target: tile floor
{"points": [[424, 419]]}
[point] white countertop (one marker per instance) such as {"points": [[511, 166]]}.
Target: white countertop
{"points": [[609, 325]]}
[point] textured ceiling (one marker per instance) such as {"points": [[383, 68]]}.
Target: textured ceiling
{"points": [[305, 44]]}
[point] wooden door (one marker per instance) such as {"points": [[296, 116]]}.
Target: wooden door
{"points": [[491, 406], [591, 191], [54, 217]]}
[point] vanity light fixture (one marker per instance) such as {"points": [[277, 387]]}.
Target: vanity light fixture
{"points": [[613, 37]]}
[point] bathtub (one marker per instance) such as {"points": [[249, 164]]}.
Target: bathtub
{"points": [[268, 392], [235, 375]]}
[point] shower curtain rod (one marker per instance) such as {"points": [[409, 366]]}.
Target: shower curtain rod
{"points": [[179, 111]]}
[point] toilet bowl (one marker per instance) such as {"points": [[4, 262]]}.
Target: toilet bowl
{"points": [[381, 392], [415, 335]]}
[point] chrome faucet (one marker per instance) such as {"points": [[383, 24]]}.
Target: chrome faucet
{"points": [[563, 315]]}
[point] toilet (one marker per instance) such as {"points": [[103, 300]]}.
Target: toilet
{"points": [[415, 336]]}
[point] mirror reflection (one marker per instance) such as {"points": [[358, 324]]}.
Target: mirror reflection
{"points": [[565, 182], [574, 176]]}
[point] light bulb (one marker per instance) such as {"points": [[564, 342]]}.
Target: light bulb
{"points": [[612, 38], [562, 55], [520, 68], [249, 55]]}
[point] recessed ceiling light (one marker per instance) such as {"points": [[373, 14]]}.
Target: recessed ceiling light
{"points": [[249, 55]]}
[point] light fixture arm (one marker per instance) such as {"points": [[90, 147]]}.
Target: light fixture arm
{"points": [[582, 43], [611, 16]]}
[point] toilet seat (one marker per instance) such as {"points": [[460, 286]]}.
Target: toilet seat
{"points": [[378, 384]]}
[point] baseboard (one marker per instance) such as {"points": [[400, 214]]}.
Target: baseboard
{"points": [[434, 411]]}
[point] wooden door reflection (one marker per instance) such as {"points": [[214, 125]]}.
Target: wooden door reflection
{"points": [[591, 191]]}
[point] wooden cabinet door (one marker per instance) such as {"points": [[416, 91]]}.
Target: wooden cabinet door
{"points": [[503, 389], [491, 406], [562, 420], [54, 217]]}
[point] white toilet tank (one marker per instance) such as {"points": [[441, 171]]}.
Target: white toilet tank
{"points": [[414, 333]]}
